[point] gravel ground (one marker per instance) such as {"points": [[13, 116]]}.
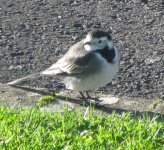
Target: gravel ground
{"points": [[35, 33]]}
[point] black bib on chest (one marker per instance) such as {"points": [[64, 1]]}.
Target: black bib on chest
{"points": [[109, 55]]}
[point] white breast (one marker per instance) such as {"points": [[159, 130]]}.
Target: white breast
{"points": [[94, 81]]}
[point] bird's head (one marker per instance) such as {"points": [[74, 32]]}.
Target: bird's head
{"points": [[97, 39]]}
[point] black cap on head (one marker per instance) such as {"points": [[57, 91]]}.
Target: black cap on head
{"points": [[99, 34]]}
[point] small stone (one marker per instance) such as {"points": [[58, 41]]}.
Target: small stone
{"points": [[108, 100], [18, 67], [59, 17], [11, 67]]}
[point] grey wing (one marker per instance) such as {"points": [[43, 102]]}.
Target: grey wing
{"points": [[75, 61], [70, 66]]}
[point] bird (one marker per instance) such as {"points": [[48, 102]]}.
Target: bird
{"points": [[87, 65]]}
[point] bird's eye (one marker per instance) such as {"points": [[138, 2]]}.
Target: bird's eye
{"points": [[100, 41]]}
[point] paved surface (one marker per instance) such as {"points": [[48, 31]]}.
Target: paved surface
{"points": [[14, 97], [35, 33]]}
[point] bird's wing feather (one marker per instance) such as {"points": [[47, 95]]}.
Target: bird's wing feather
{"points": [[75, 61], [70, 66]]}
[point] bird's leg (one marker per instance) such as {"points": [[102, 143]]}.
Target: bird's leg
{"points": [[88, 96], [83, 97], [91, 98]]}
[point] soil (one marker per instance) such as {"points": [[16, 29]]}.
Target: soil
{"points": [[35, 33]]}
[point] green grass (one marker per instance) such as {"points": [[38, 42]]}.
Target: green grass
{"points": [[31, 129], [46, 99]]}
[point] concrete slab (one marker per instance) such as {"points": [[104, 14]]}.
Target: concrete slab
{"points": [[15, 97]]}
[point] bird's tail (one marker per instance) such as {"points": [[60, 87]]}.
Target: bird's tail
{"points": [[24, 78]]}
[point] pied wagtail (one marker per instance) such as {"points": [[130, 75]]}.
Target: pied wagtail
{"points": [[89, 64]]}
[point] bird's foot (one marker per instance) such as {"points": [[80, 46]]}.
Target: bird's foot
{"points": [[94, 101], [90, 100]]}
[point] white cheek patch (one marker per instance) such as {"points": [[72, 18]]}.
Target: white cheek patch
{"points": [[110, 44]]}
